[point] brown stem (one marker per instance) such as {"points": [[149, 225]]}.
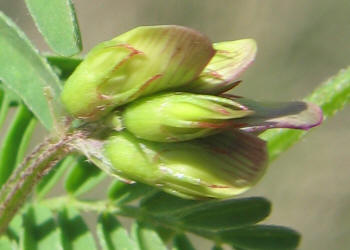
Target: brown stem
{"points": [[34, 167]]}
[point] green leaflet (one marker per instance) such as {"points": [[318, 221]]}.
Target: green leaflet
{"points": [[74, 233], [5, 243], [207, 216], [216, 247], [224, 214], [12, 99], [7, 99], [57, 22], [164, 204], [65, 65], [181, 242], [39, 230], [82, 177], [121, 192], [15, 229], [112, 235], [147, 237], [260, 237], [25, 72], [26, 137], [4, 106], [331, 96], [218, 219], [16, 134]]}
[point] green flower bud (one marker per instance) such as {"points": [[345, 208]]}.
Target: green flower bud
{"points": [[218, 166], [183, 116], [140, 62], [180, 116], [221, 74]]}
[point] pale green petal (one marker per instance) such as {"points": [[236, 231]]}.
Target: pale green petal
{"points": [[221, 74]]}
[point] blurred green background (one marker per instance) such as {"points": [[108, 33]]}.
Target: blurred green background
{"points": [[301, 43]]}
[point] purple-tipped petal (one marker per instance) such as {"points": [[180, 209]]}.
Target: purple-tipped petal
{"points": [[295, 115]]}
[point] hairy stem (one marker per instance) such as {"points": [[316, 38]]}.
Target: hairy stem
{"points": [[34, 167]]}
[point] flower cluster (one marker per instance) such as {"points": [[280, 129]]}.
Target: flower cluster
{"points": [[160, 90]]}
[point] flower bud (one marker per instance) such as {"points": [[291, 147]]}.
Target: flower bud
{"points": [[221, 74], [218, 166], [183, 116], [140, 62], [180, 116]]}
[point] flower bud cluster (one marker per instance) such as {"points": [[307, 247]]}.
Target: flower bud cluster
{"points": [[160, 89]]}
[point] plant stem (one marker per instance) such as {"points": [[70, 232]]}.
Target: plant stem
{"points": [[99, 206], [34, 167], [102, 206], [58, 203]]}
